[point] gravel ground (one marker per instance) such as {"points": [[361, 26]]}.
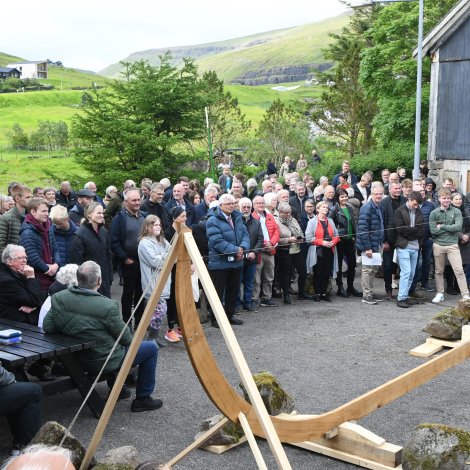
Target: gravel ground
{"points": [[324, 354]]}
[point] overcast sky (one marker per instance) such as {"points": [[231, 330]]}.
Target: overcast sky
{"points": [[92, 34]]}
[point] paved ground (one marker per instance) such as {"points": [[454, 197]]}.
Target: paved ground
{"points": [[324, 354]]}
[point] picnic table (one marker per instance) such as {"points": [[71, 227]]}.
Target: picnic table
{"points": [[36, 344]]}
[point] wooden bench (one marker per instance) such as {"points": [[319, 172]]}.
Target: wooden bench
{"points": [[35, 345]]}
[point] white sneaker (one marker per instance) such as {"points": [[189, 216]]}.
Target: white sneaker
{"points": [[438, 298], [465, 297]]}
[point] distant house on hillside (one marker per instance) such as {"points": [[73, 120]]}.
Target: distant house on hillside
{"points": [[31, 69], [9, 72], [448, 45]]}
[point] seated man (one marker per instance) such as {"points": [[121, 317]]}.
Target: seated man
{"points": [[21, 403], [82, 312], [21, 295]]}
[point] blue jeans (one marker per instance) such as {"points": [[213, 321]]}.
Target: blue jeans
{"points": [[146, 359], [248, 281], [407, 260], [423, 266]]}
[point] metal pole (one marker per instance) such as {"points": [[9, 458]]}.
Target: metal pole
{"points": [[417, 155], [209, 140]]}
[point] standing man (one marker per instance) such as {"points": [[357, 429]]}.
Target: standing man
{"points": [[369, 240], [386, 179], [345, 169], [297, 202], [445, 223], [154, 205], [389, 205], [264, 277], [84, 197], [228, 240], [125, 231], [91, 185], [200, 211], [409, 223], [253, 227], [65, 196], [179, 199], [10, 222]]}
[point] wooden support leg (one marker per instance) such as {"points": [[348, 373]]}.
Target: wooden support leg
{"points": [[252, 441], [197, 443], [434, 345]]}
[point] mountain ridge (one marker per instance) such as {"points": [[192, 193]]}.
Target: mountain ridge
{"points": [[259, 54]]}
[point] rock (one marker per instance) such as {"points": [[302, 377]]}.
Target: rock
{"points": [[464, 308], [436, 447], [275, 398], [447, 324], [229, 434], [52, 433], [122, 456]]}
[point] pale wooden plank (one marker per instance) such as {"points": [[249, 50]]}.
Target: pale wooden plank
{"points": [[198, 442], [220, 449], [252, 441]]}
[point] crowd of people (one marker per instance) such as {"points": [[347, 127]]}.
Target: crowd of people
{"points": [[279, 235]]}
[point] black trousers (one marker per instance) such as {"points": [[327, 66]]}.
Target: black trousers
{"points": [[322, 270], [171, 313], [21, 403], [227, 285], [345, 249], [132, 291], [286, 261]]}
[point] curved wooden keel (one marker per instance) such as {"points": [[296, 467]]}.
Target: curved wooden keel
{"points": [[289, 429]]}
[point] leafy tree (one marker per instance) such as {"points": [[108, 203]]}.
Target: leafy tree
{"points": [[343, 110], [17, 137], [137, 126], [226, 121], [282, 132], [388, 70]]}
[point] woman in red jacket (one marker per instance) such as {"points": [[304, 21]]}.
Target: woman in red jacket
{"points": [[322, 236]]}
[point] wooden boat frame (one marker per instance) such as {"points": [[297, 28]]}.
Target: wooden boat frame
{"points": [[276, 429]]}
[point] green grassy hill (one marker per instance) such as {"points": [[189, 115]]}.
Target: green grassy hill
{"points": [[231, 59]]}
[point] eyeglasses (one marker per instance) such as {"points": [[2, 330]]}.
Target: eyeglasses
{"points": [[22, 258]]}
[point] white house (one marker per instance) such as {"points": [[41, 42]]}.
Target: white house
{"points": [[31, 69]]}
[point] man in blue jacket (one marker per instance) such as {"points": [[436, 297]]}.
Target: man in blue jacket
{"points": [[369, 239], [228, 240]]}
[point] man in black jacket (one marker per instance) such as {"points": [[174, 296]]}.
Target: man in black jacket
{"points": [[153, 205], [65, 196], [297, 202], [409, 222], [389, 205], [21, 295], [84, 197]]}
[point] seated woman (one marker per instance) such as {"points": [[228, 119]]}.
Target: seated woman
{"points": [[323, 237], [288, 252]]}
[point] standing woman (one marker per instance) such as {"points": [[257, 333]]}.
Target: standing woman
{"points": [[288, 252], [153, 249], [345, 220], [270, 199], [91, 243], [322, 236]]}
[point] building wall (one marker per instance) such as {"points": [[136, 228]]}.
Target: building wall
{"points": [[36, 70], [449, 120]]}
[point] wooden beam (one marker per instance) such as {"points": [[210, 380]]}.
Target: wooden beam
{"points": [[129, 358], [252, 441]]}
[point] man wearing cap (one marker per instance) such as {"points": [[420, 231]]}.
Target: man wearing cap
{"points": [[84, 197]]}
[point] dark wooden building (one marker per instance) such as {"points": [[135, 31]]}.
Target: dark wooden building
{"points": [[448, 45], [9, 72]]}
